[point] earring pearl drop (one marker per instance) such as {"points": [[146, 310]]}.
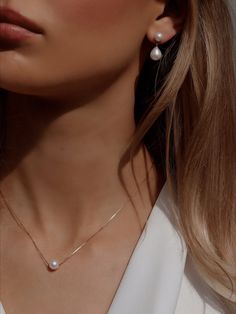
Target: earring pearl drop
{"points": [[156, 53], [158, 37]]}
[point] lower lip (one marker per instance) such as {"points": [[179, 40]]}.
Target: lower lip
{"points": [[14, 33]]}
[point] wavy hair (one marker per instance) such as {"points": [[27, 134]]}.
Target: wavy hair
{"points": [[185, 113], [187, 120]]}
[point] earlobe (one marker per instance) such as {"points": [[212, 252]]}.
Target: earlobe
{"points": [[168, 26]]}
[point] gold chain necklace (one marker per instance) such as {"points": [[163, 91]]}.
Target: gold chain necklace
{"points": [[54, 264]]}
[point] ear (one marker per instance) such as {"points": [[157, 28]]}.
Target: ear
{"points": [[168, 24]]}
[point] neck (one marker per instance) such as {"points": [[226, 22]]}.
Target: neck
{"points": [[62, 159]]}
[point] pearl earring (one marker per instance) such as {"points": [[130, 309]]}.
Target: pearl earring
{"points": [[156, 53]]}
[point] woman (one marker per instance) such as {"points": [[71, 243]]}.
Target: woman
{"points": [[118, 150]]}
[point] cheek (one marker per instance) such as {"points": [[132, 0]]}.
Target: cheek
{"points": [[102, 29], [79, 33], [92, 12]]}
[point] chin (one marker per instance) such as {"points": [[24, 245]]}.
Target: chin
{"points": [[18, 74], [21, 83], [19, 88]]}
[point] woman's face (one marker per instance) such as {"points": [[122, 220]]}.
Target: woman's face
{"points": [[85, 44]]}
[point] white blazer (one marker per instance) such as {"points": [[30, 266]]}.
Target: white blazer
{"points": [[159, 278]]}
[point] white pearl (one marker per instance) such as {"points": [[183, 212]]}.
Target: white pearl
{"points": [[158, 37], [53, 265], [156, 54]]}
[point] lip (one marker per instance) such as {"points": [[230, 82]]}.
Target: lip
{"points": [[15, 27]]}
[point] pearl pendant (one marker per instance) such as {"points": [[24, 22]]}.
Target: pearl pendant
{"points": [[53, 265], [156, 54]]}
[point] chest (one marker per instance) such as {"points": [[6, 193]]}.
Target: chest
{"points": [[85, 292], [85, 284]]}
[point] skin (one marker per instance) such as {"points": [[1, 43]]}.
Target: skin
{"points": [[71, 91]]}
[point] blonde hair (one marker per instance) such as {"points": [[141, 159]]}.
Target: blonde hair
{"points": [[187, 120], [188, 123]]}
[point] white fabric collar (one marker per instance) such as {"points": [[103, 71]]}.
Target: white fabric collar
{"points": [[152, 280]]}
